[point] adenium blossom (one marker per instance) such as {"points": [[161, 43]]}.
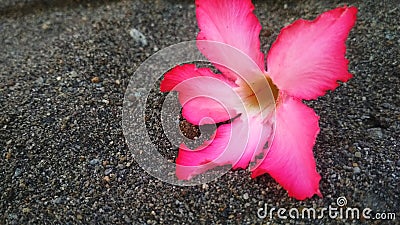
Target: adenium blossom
{"points": [[306, 60]]}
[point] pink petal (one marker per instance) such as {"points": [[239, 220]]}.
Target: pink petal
{"points": [[232, 144], [203, 110], [308, 57], [198, 94], [184, 72], [290, 159], [233, 23]]}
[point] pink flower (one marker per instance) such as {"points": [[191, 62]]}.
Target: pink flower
{"points": [[306, 60]]}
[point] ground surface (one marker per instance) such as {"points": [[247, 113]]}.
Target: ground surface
{"points": [[63, 155]]}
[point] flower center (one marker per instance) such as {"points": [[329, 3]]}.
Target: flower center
{"points": [[259, 94]]}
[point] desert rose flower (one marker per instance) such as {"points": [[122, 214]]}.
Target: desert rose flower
{"points": [[269, 125]]}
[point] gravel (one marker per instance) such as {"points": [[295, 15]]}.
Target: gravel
{"points": [[64, 68]]}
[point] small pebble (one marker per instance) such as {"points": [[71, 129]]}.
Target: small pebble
{"points": [[57, 200], [26, 210], [95, 79], [245, 196], [17, 172], [138, 37], [94, 161], [376, 132], [46, 25], [106, 179], [357, 170], [357, 154], [73, 74], [348, 168], [108, 171], [39, 81]]}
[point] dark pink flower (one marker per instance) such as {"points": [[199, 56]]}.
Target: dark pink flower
{"points": [[306, 60]]}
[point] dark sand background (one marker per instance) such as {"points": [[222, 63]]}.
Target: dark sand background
{"points": [[63, 155]]}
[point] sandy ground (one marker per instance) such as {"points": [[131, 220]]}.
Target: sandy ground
{"points": [[63, 154]]}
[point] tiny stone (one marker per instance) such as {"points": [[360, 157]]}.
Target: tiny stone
{"points": [[357, 170], [398, 162], [347, 168], [386, 105], [79, 217], [17, 172], [245, 196], [39, 81], [108, 171], [118, 82], [46, 25], [73, 74], [26, 210], [357, 154], [106, 179], [8, 155], [138, 37], [376, 132], [127, 220], [94, 161], [355, 164], [95, 79], [57, 200]]}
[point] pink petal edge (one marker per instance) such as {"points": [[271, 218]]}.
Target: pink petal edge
{"points": [[308, 57], [227, 146], [197, 95], [233, 23], [290, 160]]}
